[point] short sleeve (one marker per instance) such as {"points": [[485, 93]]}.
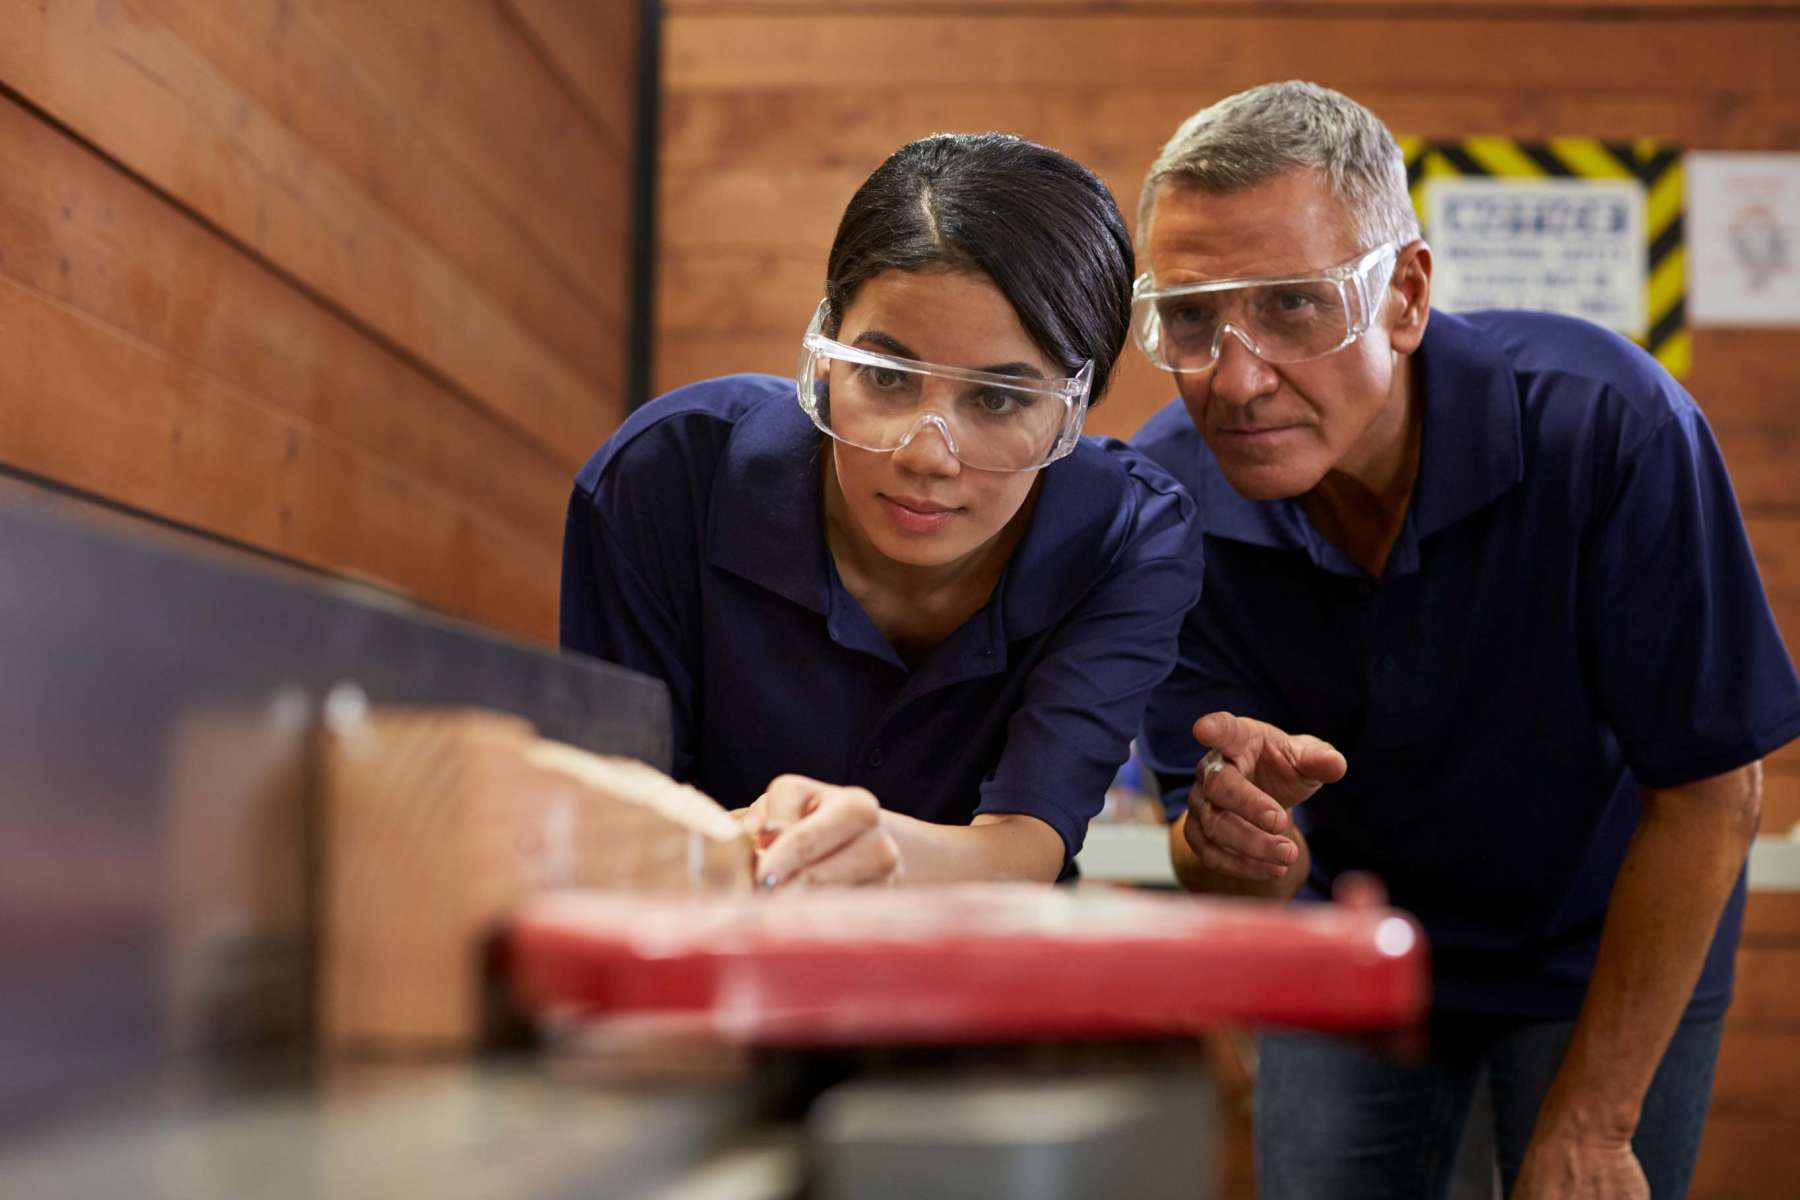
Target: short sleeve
{"points": [[1681, 649], [631, 551], [1085, 696]]}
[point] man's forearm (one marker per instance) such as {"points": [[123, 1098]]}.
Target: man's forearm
{"points": [[1196, 877], [1678, 873]]}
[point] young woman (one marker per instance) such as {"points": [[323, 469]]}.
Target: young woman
{"points": [[910, 620]]}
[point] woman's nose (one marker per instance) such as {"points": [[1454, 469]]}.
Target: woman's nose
{"points": [[927, 449]]}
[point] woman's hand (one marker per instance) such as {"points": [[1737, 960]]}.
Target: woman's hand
{"points": [[818, 834]]}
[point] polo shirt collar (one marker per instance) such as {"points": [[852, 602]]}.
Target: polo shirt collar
{"points": [[1474, 444], [764, 525], [1472, 451], [764, 522]]}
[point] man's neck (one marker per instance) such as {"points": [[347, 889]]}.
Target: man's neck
{"points": [[1360, 505]]}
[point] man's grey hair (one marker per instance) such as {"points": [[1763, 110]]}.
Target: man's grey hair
{"points": [[1257, 136]]}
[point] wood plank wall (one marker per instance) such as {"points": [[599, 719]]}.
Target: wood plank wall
{"points": [[774, 110], [344, 280]]}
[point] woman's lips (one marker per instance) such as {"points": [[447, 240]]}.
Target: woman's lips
{"points": [[917, 516]]}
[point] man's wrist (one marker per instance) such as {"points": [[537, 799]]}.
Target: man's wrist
{"points": [[1587, 1113]]}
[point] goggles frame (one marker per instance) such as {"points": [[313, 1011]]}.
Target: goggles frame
{"points": [[1357, 276], [1073, 392]]}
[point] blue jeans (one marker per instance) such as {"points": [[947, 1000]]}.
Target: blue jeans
{"points": [[1337, 1120]]}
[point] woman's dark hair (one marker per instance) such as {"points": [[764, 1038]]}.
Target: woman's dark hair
{"points": [[1036, 222]]}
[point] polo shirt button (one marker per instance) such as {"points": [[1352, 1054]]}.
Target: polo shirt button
{"points": [[1388, 664], [876, 757]]}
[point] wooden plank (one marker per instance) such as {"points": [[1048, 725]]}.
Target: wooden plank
{"points": [[1758, 1076], [124, 82], [1767, 995], [1137, 391], [78, 229], [279, 57], [1127, 122], [163, 437], [747, 292], [1738, 371], [734, 210], [1787, 757], [1760, 459], [1228, 50], [1770, 915], [595, 49], [474, 80], [1746, 1158], [688, 359], [1781, 799], [1026, 8], [752, 208]]}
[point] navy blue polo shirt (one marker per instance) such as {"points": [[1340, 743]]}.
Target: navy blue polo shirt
{"points": [[695, 552], [1571, 611]]}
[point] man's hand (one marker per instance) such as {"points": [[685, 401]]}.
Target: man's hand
{"points": [[813, 833], [1237, 825], [1570, 1167]]}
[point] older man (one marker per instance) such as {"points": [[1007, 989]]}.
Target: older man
{"points": [[1478, 593]]}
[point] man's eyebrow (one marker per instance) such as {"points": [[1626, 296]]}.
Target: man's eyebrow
{"points": [[888, 344]]}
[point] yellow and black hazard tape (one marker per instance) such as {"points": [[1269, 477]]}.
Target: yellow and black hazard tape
{"points": [[1656, 165]]}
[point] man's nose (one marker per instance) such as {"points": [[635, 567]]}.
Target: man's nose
{"points": [[1240, 375]]}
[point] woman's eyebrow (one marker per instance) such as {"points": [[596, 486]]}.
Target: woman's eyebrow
{"points": [[888, 344]]}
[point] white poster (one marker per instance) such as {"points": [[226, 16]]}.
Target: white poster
{"points": [[1743, 234], [1564, 245]]}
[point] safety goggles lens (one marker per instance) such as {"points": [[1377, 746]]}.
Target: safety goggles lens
{"points": [[992, 422], [1282, 320]]}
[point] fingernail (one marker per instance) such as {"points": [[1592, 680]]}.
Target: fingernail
{"points": [[1286, 852], [768, 881], [1271, 821]]}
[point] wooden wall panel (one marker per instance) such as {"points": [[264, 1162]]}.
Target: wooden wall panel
{"points": [[593, 49], [344, 281], [774, 110], [381, 141]]}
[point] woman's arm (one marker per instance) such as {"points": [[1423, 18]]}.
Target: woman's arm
{"points": [[815, 833]]}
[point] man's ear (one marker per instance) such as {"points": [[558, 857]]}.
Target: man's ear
{"points": [[1411, 283]]}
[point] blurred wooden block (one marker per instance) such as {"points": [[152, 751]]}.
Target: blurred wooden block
{"points": [[438, 823]]}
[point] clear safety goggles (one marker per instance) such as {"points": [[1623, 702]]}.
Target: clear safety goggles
{"points": [[989, 421], [1285, 319]]}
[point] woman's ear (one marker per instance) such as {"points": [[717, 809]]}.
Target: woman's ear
{"points": [[1411, 283]]}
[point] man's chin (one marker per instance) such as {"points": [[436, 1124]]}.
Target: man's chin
{"points": [[1275, 481]]}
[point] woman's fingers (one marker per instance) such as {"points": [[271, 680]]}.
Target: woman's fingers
{"points": [[870, 858], [825, 820], [788, 798]]}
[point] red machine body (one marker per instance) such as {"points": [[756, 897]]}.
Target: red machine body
{"points": [[965, 964]]}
